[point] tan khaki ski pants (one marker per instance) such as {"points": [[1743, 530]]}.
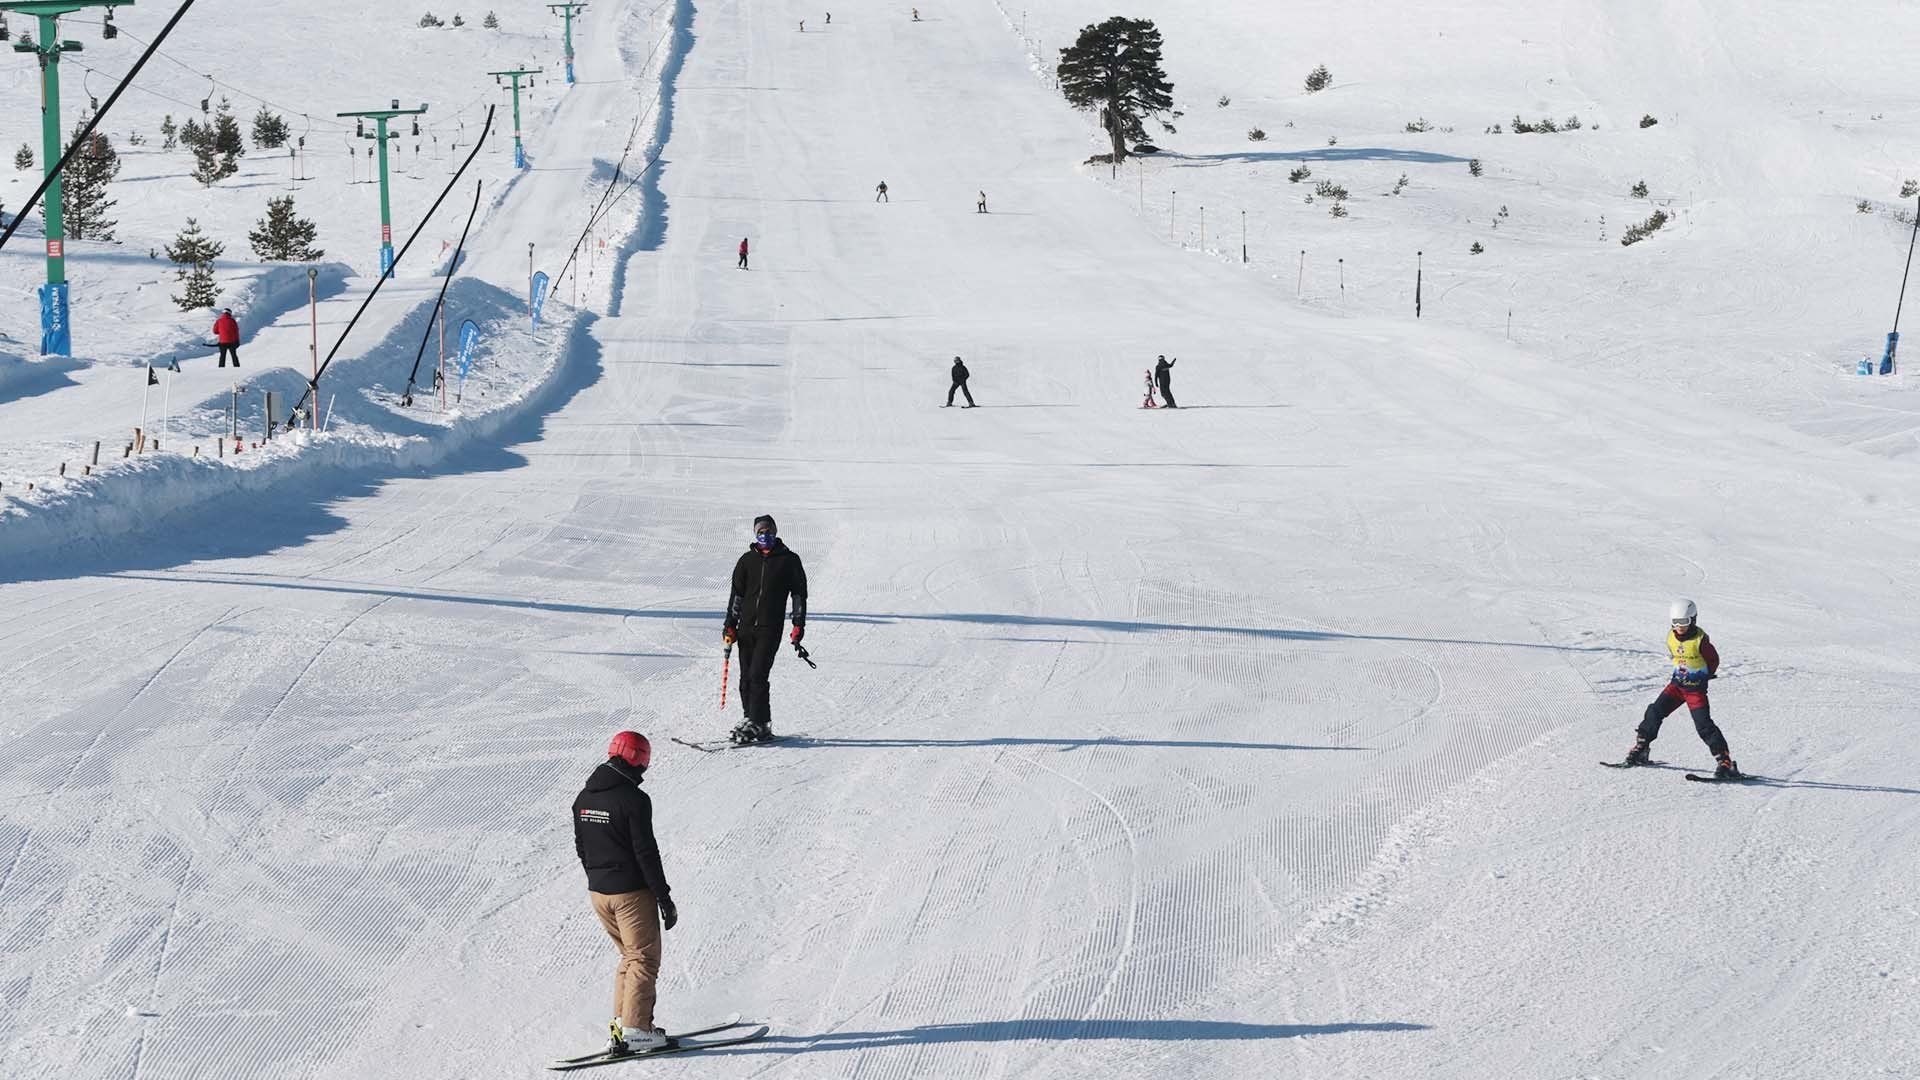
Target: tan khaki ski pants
{"points": [[633, 922]]}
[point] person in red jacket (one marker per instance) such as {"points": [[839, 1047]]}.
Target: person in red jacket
{"points": [[743, 253], [227, 333]]}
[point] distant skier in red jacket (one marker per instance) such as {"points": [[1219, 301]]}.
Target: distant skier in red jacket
{"points": [[227, 333], [743, 253]]}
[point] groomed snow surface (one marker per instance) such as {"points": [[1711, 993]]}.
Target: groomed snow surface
{"points": [[1255, 738]]}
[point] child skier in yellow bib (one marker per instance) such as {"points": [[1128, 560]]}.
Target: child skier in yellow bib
{"points": [[1695, 662]]}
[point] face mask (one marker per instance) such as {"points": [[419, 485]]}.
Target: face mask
{"points": [[763, 541]]}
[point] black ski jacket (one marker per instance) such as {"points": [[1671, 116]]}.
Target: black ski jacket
{"points": [[1163, 371], [959, 372], [761, 586], [613, 833]]}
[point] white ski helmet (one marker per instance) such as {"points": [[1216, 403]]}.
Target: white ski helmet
{"points": [[1682, 611]]}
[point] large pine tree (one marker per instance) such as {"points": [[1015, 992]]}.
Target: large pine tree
{"points": [[87, 174], [192, 255], [1114, 67], [227, 141], [282, 236]]}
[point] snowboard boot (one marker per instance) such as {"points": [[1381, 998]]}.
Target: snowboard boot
{"points": [[1725, 769], [1641, 753]]}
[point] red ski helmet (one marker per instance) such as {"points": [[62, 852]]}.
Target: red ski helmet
{"points": [[632, 748]]}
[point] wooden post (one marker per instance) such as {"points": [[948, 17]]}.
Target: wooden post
{"points": [[96, 453], [63, 469]]}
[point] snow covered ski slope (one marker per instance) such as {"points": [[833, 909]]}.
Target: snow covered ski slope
{"points": [[1252, 738]]}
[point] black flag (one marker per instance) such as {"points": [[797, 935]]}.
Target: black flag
{"points": [[152, 379]]}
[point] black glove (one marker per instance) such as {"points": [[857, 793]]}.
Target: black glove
{"points": [[668, 914]]}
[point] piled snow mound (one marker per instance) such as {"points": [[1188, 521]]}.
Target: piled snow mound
{"points": [[367, 430]]}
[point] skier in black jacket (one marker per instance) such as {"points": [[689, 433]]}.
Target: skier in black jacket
{"points": [[1163, 374], [613, 835], [959, 383], [763, 579]]}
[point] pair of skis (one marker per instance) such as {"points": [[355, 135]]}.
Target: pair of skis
{"points": [[1738, 778], [716, 745], [684, 1042]]}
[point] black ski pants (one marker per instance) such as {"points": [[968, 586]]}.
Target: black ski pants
{"points": [[1166, 393], [960, 385], [229, 350], [757, 653], [1672, 698]]}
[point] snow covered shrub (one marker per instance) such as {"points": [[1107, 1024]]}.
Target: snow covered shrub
{"points": [[1224, 101], [1319, 79], [1327, 189], [1909, 188], [1400, 185], [23, 157], [429, 20], [491, 22], [1475, 249], [1863, 206], [1417, 126], [1648, 121], [1573, 123], [457, 20], [1339, 209], [1257, 135], [1473, 167], [1637, 233], [1299, 174], [1639, 190]]}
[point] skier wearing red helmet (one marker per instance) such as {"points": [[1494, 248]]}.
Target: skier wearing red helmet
{"points": [[613, 835]]}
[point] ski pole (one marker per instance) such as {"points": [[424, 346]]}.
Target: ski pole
{"points": [[802, 650], [726, 673]]}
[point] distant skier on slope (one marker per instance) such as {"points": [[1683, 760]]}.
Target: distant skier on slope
{"points": [[743, 253], [613, 836], [763, 579], [981, 206], [226, 334], [1163, 374], [880, 193], [1695, 662], [960, 384]]}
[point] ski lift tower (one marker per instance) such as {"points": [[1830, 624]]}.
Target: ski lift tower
{"points": [[56, 336], [567, 11], [381, 135]]}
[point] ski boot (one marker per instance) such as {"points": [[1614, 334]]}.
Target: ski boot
{"points": [[1725, 769], [742, 733], [1641, 753], [629, 1041]]}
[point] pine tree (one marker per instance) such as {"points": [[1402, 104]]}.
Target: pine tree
{"points": [[457, 20], [269, 131], [1319, 79], [23, 157], [207, 167], [193, 133], [1115, 67], [86, 178], [227, 141], [169, 133], [283, 237], [192, 255], [491, 22]]}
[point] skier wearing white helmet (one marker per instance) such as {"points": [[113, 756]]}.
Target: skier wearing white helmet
{"points": [[1695, 662]]}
